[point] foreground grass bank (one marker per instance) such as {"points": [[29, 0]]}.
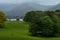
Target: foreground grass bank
{"points": [[19, 31]]}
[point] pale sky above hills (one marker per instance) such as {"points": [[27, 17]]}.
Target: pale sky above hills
{"points": [[43, 2]]}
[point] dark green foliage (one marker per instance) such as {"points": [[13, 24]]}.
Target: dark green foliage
{"points": [[31, 16], [57, 10], [17, 19], [44, 26], [42, 23], [2, 19], [49, 27], [49, 13]]}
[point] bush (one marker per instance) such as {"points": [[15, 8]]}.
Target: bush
{"points": [[17, 19]]}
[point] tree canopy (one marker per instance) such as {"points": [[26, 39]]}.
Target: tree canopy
{"points": [[42, 23], [2, 19]]}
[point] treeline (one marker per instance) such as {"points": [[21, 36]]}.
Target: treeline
{"points": [[43, 23]]}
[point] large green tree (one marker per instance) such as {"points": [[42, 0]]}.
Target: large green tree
{"points": [[32, 15], [42, 23], [2, 19]]}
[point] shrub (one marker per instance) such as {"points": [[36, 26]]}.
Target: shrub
{"points": [[17, 19]]}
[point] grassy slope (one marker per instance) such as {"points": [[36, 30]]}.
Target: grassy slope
{"points": [[19, 31]]}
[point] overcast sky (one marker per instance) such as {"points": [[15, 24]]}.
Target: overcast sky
{"points": [[43, 2]]}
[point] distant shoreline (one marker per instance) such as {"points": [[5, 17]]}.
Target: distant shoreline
{"points": [[14, 19]]}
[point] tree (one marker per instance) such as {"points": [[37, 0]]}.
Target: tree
{"points": [[32, 15], [49, 13], [46, 25], [57, 10], [2, 19], [50, 27]]}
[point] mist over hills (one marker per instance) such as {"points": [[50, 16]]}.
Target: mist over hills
{"points": [[55, 7], [6, 7], [19, 10]]}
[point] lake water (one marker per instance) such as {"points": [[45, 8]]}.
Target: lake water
{"points": [[14, 19]]}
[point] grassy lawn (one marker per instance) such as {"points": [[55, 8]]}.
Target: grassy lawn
{"points": [[19, 31]]}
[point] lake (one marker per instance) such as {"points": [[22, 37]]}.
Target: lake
{"points": [[14, 19]]}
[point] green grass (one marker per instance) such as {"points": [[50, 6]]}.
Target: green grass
{"points": [[19, 31]]}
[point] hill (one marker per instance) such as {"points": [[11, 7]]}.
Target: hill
{"points": [[20, 10], [55, 7]]}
